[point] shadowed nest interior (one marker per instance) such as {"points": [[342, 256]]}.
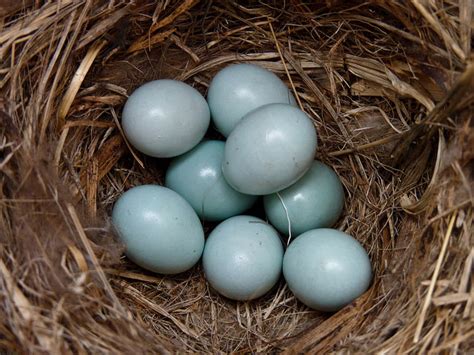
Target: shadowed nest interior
{"points": [[389, 86]]}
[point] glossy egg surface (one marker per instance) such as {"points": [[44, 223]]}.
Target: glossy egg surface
{"points": [[243, 257], [326, 269], [197, 176], [165, 118], [160, 230], [314, 201], [270, 149], [241, 88]]}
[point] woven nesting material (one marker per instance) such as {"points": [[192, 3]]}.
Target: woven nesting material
{"points": [[389, 86]]}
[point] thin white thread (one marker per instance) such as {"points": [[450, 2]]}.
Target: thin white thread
{"points": [[287, 217]]}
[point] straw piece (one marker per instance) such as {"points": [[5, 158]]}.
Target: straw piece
{"points": [[138, 276], [25, 308], [448, 40], [122, 133], [133, 292], [450, 299], [92, 256], [92, 183], [277, 44], [429, 294], [149, 41], [79, 258], [110, 152], [77, 80], [183, 7], [103, 26], [315, 335], [465, 23]]}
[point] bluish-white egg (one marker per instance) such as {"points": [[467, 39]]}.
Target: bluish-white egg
{"points": [[314, 201], [160, 230], [241, 88], [243, 257], [197, 176], [326, 269], [165, 118], [270, 149]]}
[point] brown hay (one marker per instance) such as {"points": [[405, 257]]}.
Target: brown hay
{"points": [[389, 85]]}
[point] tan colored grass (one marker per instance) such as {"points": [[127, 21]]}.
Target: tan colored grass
{"points": [[389, 85]]}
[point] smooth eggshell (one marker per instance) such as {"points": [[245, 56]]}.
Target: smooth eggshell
{"points": [[243, 257], [241, 88], [314, 201], [165, 118], [326, 269], [160, 230], [197, 176], [270, 149]]}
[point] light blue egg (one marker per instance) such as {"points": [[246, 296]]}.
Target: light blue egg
{"points": [[314, 201], [165, 118], [270, 149], [326, 269], [197, 176], [243, 257], [160, 230], [241, 88]]}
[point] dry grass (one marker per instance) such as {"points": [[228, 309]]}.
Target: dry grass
{"points": [[389, 85]]}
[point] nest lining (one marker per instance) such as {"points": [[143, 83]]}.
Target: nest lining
{"points": [[389, 87]]}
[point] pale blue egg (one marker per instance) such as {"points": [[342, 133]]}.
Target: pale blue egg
{"points": [[243, 257], [326, 269], [165, 118], [270, 149], [197, 176], [241, 88], [160, 230], [314, 201]]}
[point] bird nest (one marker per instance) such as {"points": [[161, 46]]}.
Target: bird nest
{"points": [[389, 86]]}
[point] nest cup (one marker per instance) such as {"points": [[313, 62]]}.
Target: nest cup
{"points": [[389, 87]]}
